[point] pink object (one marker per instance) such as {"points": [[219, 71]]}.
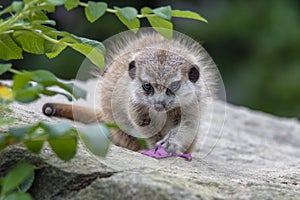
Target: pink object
{"points": [[159, 153]]}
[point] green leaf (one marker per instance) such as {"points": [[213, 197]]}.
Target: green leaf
{"points": [[17, 176], [164, 27], [163, 12], [34, 146], [31, 42], [146, 10], [38, 15], [9, 49], [132, 25], [27, 1], [49, 22], [70, 4], [96, 138], [29, 94], [64, 147], [52, 93], [21, 81], [54, 49], [17, 6], [188, 14], [94, 43], [26, 185], [25, 92], [44, 7], [57, 130], [56, 2], [20, 132], [62, 139], [4, 67], [18, 196], [50, 32], [76, 91], [41, 76], [95, 10], [128, 13], [6, 10], [91, 53]]}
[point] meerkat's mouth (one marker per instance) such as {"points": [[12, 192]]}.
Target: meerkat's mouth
{"points": [[159, 107]]}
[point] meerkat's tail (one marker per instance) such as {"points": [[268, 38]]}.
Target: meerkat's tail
{"points": [[72, 112]]}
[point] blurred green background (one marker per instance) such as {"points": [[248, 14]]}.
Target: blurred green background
{"points": [[255, 44]]}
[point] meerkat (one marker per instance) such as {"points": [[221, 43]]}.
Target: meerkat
{"points": [[152, 87]]}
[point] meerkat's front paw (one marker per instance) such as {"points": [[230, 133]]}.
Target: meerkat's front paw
{"points": [[172, 147], [170, 143]]}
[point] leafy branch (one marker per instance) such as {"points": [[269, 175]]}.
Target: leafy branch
{"points": [[17, 182], [158, 18], [25, 27], [29, 28], [62, 137]]}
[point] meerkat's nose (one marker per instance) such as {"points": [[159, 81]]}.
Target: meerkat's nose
{"points": [[160, 106]]}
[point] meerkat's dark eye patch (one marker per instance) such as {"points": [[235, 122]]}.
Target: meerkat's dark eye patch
{"points": [[194, 74], [173, 88], [147, 87], [169, 92], [132, 69]]}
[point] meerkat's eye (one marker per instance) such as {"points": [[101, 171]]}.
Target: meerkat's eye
{"points": [[148, 88], [194, 73]]}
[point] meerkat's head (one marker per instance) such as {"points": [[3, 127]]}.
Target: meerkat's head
{"points": [[162, 79]]}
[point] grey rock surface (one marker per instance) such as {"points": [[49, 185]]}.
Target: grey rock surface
{"points": [[250, 155]]}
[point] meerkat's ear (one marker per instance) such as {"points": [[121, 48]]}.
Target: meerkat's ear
{"points": [[132, 69], [194, 73]]}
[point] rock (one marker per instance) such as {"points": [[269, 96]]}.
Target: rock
{"points": [[250, 155]]}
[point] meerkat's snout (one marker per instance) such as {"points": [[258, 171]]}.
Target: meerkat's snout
{"points": [[161, 101], [160, 106]]}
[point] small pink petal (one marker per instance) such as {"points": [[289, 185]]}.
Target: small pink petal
{"points": [[159, 152]]}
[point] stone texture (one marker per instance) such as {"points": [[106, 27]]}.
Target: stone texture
{"points": [[257, 156]]}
